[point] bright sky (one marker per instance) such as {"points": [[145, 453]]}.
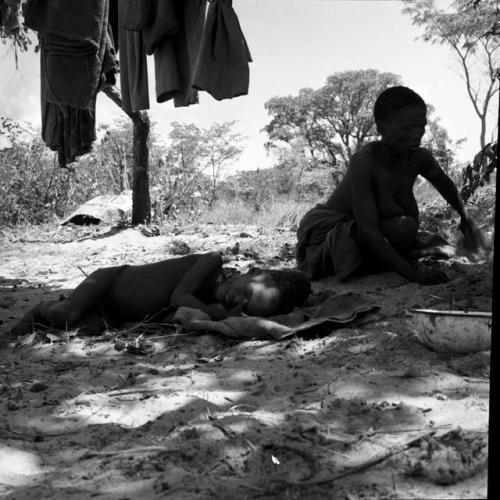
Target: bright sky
{"points": [[294, 44]]}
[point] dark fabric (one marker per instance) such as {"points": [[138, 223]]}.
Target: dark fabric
{"points": [[133, 68], [190, 52], [136, 13], [326, 244], [162, 22], [222, 65], [82, 21], [71, 71], [175, 55], [109, 61], [67, 130], [113, 24]]}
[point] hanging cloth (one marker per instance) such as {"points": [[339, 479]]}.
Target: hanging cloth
{"points": [[133, 64], [222, 66], [175, 53], [75, 54], [194, 48]]}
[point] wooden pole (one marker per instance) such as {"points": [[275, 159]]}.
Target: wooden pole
{"points": [[141, 202], [495, 326]]}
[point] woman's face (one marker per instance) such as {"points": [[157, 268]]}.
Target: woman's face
{"points": [[403, 129], [256, 295]]}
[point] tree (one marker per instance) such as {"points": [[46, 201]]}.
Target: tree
{"points": [[192, 167], [439, 143], [295, 122], [333, 121], [470, 29], [345, 107], [141, 200], [222, 146], [33, 187], [337, 119]]}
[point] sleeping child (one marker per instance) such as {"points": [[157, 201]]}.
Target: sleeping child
{"points": [[112, 296]]}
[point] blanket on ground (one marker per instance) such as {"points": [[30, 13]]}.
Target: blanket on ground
{"points": [[334, 312]]}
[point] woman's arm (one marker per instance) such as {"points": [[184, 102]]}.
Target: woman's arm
{"points": [[474, 239], [429, 168]]}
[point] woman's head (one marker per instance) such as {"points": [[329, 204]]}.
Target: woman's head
{"points": [[400, 116], [264, 293]]}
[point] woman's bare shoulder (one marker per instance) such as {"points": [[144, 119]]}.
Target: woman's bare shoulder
{"points": [[425, 162], [364, 158]]}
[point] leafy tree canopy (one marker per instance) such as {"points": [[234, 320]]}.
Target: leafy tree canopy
{"points": [[471, 29], [334, 121]]}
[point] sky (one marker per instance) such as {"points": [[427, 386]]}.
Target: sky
{"points": [[294, 44]]}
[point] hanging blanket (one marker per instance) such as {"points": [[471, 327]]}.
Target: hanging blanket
{"points": [[75, 54], [82, 22]]}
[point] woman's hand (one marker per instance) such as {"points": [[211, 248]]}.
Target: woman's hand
{"points": [[474, 240]]}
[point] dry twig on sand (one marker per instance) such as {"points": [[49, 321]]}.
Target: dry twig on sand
{"points": [[374, 460]]}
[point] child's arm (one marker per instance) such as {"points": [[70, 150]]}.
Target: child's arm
{"points": [[206, 268], [366, 216]]}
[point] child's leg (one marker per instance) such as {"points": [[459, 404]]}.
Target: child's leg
{"points": [[92, 289], [34, 317]]}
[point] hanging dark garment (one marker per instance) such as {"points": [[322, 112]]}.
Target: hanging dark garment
{"points": [[80, 21], [175, 55], [222, 65], [113, 24], [194, 49], [133, 67], [162, 22], [75, 53], [136, 14]]}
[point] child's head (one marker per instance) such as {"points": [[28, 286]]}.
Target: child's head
{"points": [[265, 293], [400, 116]]}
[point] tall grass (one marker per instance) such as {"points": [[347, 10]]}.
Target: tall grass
{"points": [[276, 212]]}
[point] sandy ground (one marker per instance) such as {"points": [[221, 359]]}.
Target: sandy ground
{"points": [[365, 411]]}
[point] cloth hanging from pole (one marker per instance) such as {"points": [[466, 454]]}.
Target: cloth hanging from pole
{"points": [[76, 58], [222, 66], [194, 48]]}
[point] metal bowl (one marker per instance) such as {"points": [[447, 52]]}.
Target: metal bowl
{"points": [[453, 331]]}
